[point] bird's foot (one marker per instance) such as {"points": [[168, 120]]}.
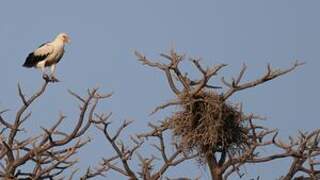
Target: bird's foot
{"points": [[46, 77], [51, 78], [54, 79]]}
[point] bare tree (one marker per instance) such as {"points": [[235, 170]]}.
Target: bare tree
{"points": [[209, 129], [204, 123], [50, 153], [206, 127]]}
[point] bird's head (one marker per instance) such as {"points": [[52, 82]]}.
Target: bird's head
{"points": [[64, 38]]}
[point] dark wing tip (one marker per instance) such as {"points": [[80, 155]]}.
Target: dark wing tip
{"points": [[32, 60], [27, 62]]}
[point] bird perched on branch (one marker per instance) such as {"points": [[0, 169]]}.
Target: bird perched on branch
{"points": [[48, 55]]}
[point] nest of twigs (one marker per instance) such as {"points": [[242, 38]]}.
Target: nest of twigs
{"points": [[207, 124]]}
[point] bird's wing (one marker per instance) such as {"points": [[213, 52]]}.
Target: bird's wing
{"points": [[43, 50], [60, 56], [38, 55]]}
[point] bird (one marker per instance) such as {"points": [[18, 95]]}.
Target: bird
{"points": [[48, 55]]}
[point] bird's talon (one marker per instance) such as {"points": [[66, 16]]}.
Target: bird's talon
{"points": [[46, 77], [54, 79]]}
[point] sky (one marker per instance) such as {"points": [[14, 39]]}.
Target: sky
{"points": [[104, 35]]}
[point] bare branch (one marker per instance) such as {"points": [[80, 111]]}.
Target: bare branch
{"points": [[235, 85]]}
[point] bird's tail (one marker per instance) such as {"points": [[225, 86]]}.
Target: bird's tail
{"points": [[27, 65], [30, 61]]}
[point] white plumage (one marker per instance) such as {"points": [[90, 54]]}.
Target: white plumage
{"points": [[48, 54]]}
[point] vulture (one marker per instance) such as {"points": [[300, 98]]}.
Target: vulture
{"points": [[48, 55]]}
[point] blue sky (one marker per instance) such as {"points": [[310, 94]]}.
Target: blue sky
{"points": [[104, 35]]}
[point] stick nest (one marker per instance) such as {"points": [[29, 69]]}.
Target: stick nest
{"points": [[207, 124]]}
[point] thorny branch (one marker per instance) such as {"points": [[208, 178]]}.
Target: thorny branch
{"points": [[194, 86], [304, 149], [127, 155], [270, 74], [50, 153]]}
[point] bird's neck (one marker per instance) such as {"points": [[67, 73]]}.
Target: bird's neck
{"points": [[58, 42]]}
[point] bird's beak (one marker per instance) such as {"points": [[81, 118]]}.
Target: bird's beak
{"points": [[68, 40]]}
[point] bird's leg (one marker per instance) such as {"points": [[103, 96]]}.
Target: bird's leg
{"points": [[52, 76], [44, 75], [41, 66]]}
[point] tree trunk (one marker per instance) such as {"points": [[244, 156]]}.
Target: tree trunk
{"points": [[214, 168]]}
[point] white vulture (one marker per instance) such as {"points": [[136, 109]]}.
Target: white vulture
{"points": [[48, 55]]}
